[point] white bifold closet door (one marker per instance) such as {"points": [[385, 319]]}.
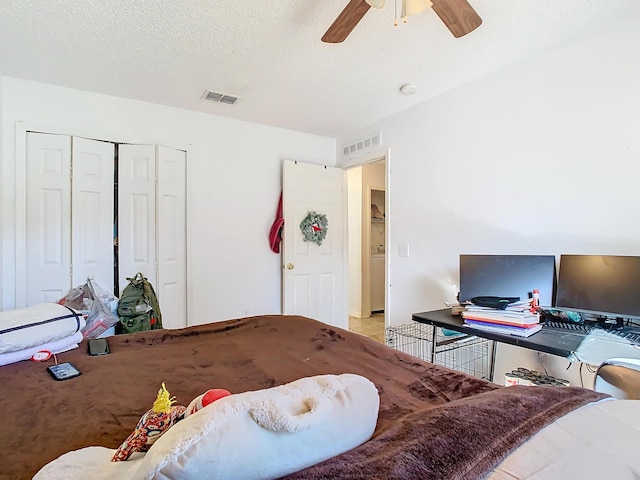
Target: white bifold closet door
{"points": [[92, 195], [69, 219], [48, 217], [172, 232], [136, 213], [152, 224]]}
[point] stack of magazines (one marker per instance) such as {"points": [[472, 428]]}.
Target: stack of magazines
{"points": [[516, 319]]}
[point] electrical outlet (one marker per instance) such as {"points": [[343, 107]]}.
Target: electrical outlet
{"points": [[403, 250], [245, 312]]}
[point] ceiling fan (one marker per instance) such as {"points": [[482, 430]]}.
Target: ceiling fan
{"points": [[458, 16]]}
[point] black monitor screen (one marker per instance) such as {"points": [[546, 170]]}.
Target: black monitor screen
{"points": [[508, 276], [602, 284]]}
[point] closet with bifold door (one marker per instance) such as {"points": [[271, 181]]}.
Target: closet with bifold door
{"points": [[108, 210]]}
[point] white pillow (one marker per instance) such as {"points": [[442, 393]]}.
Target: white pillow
{"points": [[264, 434], [57, 346], [37, 325]]}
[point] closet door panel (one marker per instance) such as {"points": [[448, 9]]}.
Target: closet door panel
{"points": [[136, 212], [92, 211], [48, 219], [171, 194]]}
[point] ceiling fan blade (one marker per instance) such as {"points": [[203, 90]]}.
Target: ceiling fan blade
{"points": [[346, 21], [459, 17]]}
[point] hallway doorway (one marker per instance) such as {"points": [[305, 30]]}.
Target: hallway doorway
{"points": [[368, 237]]}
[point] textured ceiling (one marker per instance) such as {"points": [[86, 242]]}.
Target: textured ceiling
{"points": [[269, 53]]}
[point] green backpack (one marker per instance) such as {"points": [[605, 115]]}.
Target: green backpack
{"points": [[138, 308]]}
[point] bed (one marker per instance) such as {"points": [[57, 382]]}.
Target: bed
{"points": [[433, 422]]}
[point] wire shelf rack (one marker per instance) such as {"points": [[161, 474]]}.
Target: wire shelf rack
{"points": [[460, 352]]}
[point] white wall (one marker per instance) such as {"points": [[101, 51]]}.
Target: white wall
{"points": [[354, 212], [540, 158], [234, 180]]}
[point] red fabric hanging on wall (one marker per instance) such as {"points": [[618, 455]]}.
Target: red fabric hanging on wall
{"points": [[275, 234]]}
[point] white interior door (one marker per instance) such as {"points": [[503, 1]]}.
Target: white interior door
{"points": [[48, 218], [136, 213], [171, 192], [314, 275], [92, 211]]}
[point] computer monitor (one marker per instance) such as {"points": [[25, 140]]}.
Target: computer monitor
{"points": [[508, 276], [603, 285]]}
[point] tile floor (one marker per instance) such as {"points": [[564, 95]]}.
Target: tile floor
{"points": [[372, 327]]}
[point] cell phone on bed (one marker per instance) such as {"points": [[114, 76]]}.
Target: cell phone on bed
{"points": [[63, 371], [98, 346]]}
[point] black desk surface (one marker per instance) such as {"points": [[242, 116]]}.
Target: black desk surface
{"points": [[548, 340]]}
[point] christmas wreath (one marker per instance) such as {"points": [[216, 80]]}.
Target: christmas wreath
{"points": [[314, 227]]}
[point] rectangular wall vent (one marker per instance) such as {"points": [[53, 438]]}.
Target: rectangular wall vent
{"points": [[217, 97], [363, 145]]}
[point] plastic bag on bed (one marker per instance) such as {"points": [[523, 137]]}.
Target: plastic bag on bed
{"points": [[98, 305]]}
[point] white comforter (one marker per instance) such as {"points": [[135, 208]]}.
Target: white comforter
{"points": [[597, 441]]}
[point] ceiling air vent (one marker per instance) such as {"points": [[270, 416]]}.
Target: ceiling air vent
{"points": [[363, 145], [217, 97]]}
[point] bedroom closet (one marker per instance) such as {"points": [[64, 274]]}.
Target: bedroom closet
{"points": [[107, 210]]}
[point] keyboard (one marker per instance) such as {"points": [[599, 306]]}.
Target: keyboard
{"points": [[627, 334], [574, 327]]}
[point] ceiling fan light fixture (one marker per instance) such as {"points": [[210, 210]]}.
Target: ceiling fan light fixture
{"points": [[457, 15], [413, 7], [375, 3]]}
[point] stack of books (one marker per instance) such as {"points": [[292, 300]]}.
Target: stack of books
{"points": [[517, 319]]}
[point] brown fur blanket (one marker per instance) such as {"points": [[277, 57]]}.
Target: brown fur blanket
{"points": [[463, 439], [432, 420]]}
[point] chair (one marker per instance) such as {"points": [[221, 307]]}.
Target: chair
{"points": [[619, 377]]}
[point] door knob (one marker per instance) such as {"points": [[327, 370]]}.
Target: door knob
{"points": [[290, 266]]}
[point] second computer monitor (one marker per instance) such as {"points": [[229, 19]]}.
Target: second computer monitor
{"points": [[508, 276], [606, 285]]}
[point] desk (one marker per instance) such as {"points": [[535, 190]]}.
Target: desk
{"points": [[556, 342]]}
